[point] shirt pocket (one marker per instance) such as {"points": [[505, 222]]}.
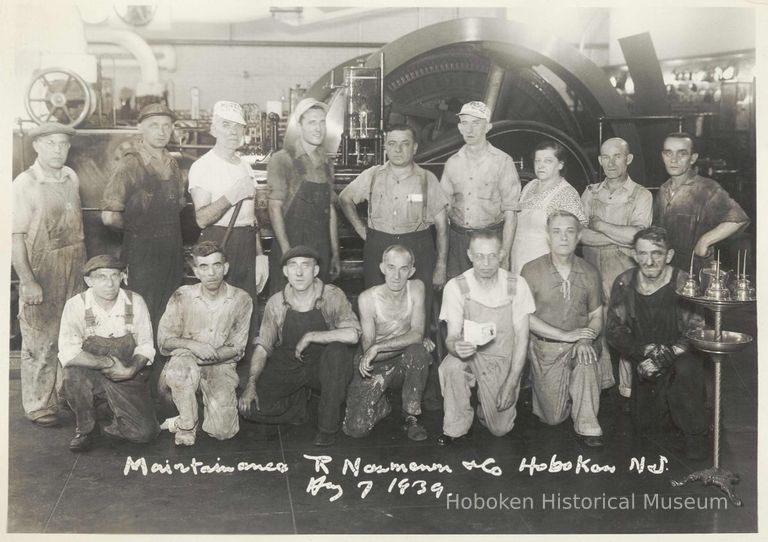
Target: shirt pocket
{"points": [[488, 191]]}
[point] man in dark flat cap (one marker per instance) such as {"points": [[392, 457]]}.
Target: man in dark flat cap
{"points": [[105, 347], [144, 198], [305, 341], [48, 254]]}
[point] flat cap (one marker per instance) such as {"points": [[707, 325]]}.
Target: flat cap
{"points": [[156, 110], [300, 251], [103, 261], [48, 128]]}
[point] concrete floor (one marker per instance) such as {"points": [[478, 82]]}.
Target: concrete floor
{"points": [[55, 491]]}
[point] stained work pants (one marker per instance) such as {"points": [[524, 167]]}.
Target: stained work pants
{"points": [[367, 402]]}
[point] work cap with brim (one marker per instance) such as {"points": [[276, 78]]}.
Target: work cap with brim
{"points": [[156, 110], [305, 105], [230, 111], [48, 128], [103, 261], [476, 109], [300, 251]]}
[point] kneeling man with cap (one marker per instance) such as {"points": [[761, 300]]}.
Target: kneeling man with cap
{"points": [[105, 345], [205, 331], [306, 332]]}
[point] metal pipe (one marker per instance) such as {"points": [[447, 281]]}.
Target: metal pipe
{"points": [[268, 43], [716, 444]]}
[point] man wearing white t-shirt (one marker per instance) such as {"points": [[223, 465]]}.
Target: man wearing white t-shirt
{"points": [[221, 184], [486, 309]]}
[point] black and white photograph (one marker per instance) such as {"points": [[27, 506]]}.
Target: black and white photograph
{"points": [[351, 269]]}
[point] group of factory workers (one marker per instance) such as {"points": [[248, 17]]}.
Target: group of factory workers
{"points": [[521, 309]]}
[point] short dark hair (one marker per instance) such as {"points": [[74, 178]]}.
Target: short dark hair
{"points": [[403, 127], [556, 147], [563, 213], [655, 234], [682, 135], [401, 249], [206, 248], [484, 234]]}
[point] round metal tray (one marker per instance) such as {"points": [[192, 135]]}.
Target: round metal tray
{"points": [[732, 341], [716, 304]]}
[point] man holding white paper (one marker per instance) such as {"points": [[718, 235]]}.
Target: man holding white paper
{"points": [[486, 309]]}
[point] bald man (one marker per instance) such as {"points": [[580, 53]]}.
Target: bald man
{"points": [[617, 208]]}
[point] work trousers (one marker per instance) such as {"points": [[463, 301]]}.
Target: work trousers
{"points": [[562, 386], [679, 394], [129, 400], [184, 376], [457, 377], [282, 386], [367, 401], [60, 277]]}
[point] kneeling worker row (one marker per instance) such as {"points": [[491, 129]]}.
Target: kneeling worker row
{"points": [[309, 332]]}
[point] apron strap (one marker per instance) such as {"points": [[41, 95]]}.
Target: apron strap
{"points": [[511, 285], [90, 318], [128, 312], [424, 195], [461, 280]]}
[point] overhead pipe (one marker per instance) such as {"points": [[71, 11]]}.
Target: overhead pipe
{"points": [[150, 72]]}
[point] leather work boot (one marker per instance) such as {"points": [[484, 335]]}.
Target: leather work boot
{"points": [[81, 442], [445, 440], [414, 429]]}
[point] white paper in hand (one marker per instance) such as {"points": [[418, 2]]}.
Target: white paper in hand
{"points": [[479, 333]]}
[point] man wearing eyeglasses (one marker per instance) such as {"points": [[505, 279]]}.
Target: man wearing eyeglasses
{"points": [[48, 254], [696, 211]]}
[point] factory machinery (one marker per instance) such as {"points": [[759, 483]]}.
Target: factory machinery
{"points": [[537, 87]]}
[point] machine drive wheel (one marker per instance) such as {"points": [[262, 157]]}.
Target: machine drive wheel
{"points": [[58, 94]]}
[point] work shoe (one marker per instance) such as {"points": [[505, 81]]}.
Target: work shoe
{"points": [[48, 420], [592, 441], [184, 438], [445, 440], [324, 439], [81, 442], [414, 429]]}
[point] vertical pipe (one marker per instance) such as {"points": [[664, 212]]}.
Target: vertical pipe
{"points": [[381, 93], [716, 444]]}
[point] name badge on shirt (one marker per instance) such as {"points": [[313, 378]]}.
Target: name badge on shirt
{"points": [[415, 198]]}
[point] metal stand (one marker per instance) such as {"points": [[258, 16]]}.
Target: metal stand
{"points": [[718, 344]]}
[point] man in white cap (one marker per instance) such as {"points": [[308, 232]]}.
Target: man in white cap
{"points": [[301, 194], [48, 254], [221, 186], [483, 189], [143, 199]]}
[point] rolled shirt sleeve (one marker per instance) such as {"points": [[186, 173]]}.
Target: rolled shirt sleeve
{"points": [[509, 185], [338, 310], [171, 323], [642, 213], [271, 323], [72, 330], [452, 307], [22, 205], [142, 329], [523, 304], [238, 334], [122, 179], [359, 189], [438, 201]]}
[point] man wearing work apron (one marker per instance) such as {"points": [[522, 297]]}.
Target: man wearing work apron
{"points": [[483, 189], [305, 341], [617, 209], [486, 309], [301, 194], [565, 374], [105, 347], [144, 198], [393, 354], [48, 254], [222, 190]]}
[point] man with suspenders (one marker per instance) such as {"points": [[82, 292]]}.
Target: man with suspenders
{"points": [[105, 348], [617, 208]]}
